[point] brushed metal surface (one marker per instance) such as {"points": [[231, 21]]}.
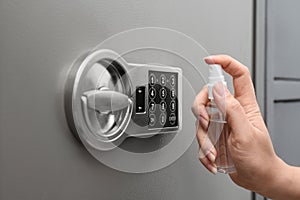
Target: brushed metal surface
{"points": [[39, 40]]}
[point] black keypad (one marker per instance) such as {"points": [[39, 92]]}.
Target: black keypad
{"points": [[163, 101]]}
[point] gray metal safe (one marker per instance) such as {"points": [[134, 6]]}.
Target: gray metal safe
{"points": [[39, 40]]}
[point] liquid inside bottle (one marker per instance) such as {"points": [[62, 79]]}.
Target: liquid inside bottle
{"points": [[218, 132]]}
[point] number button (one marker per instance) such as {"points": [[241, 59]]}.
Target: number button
{"points": [[172, 119], [173, 93], [173, 106], [152, 79], [163, 80], [162, 119], [172, 80], [152, 120], [163, 106], [152, 106], [152, 93], [163, 93]]}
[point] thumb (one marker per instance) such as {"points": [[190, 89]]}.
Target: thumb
{"points": [[233, 111]]}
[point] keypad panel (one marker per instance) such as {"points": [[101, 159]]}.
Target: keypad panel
{"points": [[162, 100]]}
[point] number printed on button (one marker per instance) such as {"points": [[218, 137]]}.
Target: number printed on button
{"points": [[163, 80], [172, 118], [152, 106], [163, 93], [152, 120], [173, 93], [173, 105], [162, 119], [152, 79], [163, 106], [152, 93], [172, 80]]}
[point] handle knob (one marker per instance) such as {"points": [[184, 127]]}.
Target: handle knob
{"points": [[106, 101]]}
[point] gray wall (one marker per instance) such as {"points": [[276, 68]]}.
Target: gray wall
{"points": [[278, 74], [283, 78], [39, 40]]}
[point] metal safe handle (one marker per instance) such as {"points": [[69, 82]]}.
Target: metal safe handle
{"points": [[106, 101]]}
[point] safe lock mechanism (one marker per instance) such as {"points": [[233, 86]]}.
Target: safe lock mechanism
{"points": [[108, 99]]}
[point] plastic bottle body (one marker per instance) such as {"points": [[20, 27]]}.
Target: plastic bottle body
{"points": [[218, 133]]}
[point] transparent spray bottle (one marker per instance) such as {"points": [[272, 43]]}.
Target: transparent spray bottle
{"points": [[218, 130]]}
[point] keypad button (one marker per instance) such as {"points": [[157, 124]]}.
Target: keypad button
{"points": [[173, 106], [163, 93], [163, 80], [173, 93], [152, 120], [162, 119], [152, 106], [152, 79], [172, 118], [163, 106], [172, 80], [152, 93]]}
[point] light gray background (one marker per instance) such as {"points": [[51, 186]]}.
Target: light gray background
{"points": [[39, 40], [283, 78], [278, 74]]}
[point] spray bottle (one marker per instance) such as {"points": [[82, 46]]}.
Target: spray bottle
{"points": [[218, 130]]}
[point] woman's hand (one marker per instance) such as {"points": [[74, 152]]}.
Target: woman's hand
{"points": [[257, 165]]}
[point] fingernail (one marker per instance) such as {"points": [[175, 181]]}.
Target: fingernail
{"points": [[211, 157], [202, 120], [215, 166], [214, 170], [219, 89], [208, 59]]}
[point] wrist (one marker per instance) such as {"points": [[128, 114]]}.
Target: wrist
{"points": [[278, 180]]}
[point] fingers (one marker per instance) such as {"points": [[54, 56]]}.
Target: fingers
{"points": [[205, 143], [236, 116], [199, 104], [209, 165], [241, 77], [201, 114], [207, 152]]}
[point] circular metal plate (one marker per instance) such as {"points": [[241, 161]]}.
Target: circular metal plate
{"points": [[100, 70]]}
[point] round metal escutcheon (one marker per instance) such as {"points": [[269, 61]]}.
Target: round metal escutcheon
{"points": [[102, 70]]}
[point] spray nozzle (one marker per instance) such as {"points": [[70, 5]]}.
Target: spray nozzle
{"points": [[215, 75]]}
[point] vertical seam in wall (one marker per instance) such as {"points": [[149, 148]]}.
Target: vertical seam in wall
{"points": [[254, 18], [254, 24], [265, 60]]}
